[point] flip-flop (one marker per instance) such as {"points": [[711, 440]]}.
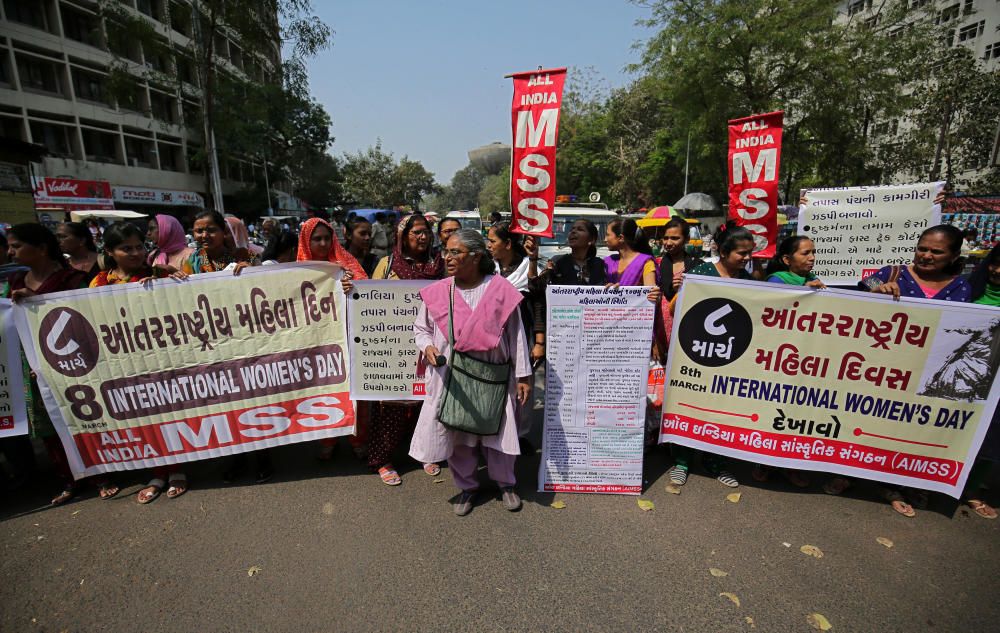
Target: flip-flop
{"points": [[108, 491], [64, 496], [903, 508], [982, 509], [156, 485], [432, 469], [389, 476], [178, 485]]}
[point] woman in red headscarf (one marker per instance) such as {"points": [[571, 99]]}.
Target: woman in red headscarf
{"points": [[317, 242]]}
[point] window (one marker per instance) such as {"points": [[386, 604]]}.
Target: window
{"points": [[992, 51], [89, 86], [162, 107], [971, 31], [80, 26], [30, 12], [170, 157], [855, 7], [100, 147], [969, 7], [54, 137], [131, 96], [916, 4], [873, 21], [150, 8], [39, 74], [185, 70], [139, 152], [949, 14], [4, 70], [180, 18]]}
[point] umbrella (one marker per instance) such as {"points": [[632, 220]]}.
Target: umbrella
{"points": [[657, 216], [698, 202]]}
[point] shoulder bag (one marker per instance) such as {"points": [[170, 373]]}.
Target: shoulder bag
{"points": [[475, 391]]}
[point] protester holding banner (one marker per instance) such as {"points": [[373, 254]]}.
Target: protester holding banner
{"points": [[359, 242], [215, 252], [675, 262], [793, 263], [317, 243], [985, 283], [124, 257], [633, 264], [473, 319], [934, 274], [411, 258], [36, 247], [166, 232], [77, 244], [735, 246]]}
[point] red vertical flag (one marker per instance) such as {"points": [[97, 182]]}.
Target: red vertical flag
{"points": [[754, 162], [535, 126]]}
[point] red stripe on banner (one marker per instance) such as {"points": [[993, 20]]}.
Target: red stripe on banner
{"points": [[535, 130], [813, 450], [754, 164], [598, 488], [753, 417], [220, 430], [859, 433]]}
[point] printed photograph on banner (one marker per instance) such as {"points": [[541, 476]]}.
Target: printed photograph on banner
{"points": [[596, 383], [833, 381], [137, 377], [380, 315], [963, 359]]}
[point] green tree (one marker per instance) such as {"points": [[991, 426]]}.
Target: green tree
{"points": [[261, 28], [495, 194], [723, 59], [375, 179]]}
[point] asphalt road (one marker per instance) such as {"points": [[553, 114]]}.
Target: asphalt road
{"points": [[339, 551]]}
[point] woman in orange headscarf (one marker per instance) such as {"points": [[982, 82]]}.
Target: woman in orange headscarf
{"points": [[317, 242]]}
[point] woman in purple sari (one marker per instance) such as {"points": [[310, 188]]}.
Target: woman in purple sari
{"points": [[633, 264]]}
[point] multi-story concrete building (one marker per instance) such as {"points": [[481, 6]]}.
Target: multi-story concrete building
{"points": [[56, 60], [974, 24]]}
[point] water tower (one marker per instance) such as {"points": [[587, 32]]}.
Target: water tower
{"points": [[490, 159]]}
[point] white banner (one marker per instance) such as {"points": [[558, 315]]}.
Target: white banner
{"points": [[858, 230], [380, 339], [13, 412], [164, 197], [595, 389]]}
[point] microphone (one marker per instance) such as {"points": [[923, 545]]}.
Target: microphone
{"points": [[440, 361]]}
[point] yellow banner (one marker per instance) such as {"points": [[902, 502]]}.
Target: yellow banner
{"points": [[832, 380], [138, 377]]}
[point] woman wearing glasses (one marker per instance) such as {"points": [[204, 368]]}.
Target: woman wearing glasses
{"points": [[483, 309]]}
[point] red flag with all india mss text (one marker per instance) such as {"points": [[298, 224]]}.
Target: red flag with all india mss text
{"points": [[535, 125], [754, 162]]}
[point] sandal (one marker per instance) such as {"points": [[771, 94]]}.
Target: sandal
{"points": [[898, 503], [150, 492], [108, 490], [836, 486], [726, 478], [678, 475], [982, 509], [432, 469], [178, 485], [389, 476], [68, 493]]}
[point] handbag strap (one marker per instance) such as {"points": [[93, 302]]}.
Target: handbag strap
{"points": [[451, 320]]}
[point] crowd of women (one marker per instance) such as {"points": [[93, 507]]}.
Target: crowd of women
{"points": [[486, 306]]}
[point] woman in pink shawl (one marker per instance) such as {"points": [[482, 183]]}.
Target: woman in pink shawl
{"points": [[241, 240], [171, 244], [487, 326]]}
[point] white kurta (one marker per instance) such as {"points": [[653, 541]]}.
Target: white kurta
{"points": [[432, 441]]}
